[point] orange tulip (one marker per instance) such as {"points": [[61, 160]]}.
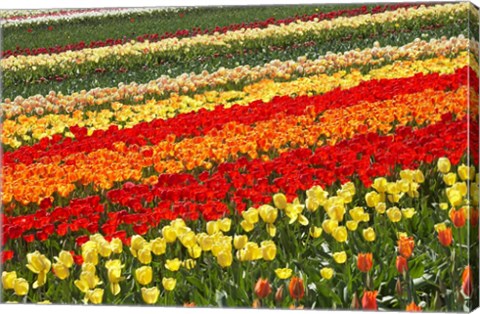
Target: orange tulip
{"points": [[401, 264], [412, 307], [445, 236], [458, 217], [405, 246], [296, 288], [364, 262], [369, 300], [262, 288], [467, 285]]}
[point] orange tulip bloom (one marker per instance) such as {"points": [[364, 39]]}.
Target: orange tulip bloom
{"points": [[405, 246], [412, 307], [369, 300], [445, 236], [467, 285], [458, 217], [262, 288], [296, 288], [401, 264], [364, 262]]}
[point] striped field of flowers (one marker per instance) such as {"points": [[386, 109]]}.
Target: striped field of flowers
{"points": [[303, 157]]}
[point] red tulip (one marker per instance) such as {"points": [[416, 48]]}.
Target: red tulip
{"points": [[262, 288], [401, 264], [412, 307], [467, 285], [364, 262], [296, 288], [445, 236], [369, 300]]}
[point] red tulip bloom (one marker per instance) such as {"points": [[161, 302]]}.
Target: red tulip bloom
{"points": [[7, 255], [405, 246], [467, 285], [296, 288], [364, 262], [445, 236], [262, 288], [458, 217], [369, 300], [412, 307], [401, 264]]}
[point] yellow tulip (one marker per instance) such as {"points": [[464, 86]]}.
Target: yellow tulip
{"points": [[8, 279], [358, 214], [381, 208], [212, 227], [144, 275], [137, 242], [465, 172], [116, 245], [169, 283], [95, 296], [280, 200], [271, 229], [283, 273], [340, 234], [38, 264], [268, 213], [189, 263], [443, 165], [443, 206], [450, 178], [394, 214], [159, 246], [90, 256], [104, 249], [418, 176], [408, 212], [225, 258], [269, 250], [195, 251], [340, 257], [188, 239], [407, 175], [225, 224], [239, 241], [329, 225], [326, 273], [172, 264], [150, 295], [65, 258], [61, 271], [20, 286], [372, 199], [145, 255], [352, 225], [169, 234], [454, 196], [247, 227], [315, 232], [369, 234], [251, 216], [380, 184]]}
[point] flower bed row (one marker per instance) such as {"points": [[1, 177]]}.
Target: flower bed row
{"points": [[142, 53], [200, 122], [154, 37], [56, 102]]}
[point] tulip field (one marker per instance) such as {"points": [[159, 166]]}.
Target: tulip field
{"points": [[288, 157]]}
